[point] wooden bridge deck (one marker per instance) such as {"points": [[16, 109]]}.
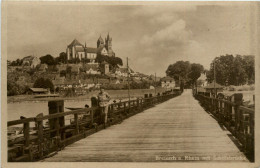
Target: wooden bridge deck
{"points": [[176, 128]]}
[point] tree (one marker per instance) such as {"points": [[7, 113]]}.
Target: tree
{"points": [[62, 58], [238, 71], [184, 73], [17, 62], [195, 71], [179, 70], [44, 83], [68, 71], [85, 60], [249, 67], [63, 73], [57, 89], [48, 59], [74, 61], [31, 71], [113, 61], [232, 70], [223, 68], [12, 88]]}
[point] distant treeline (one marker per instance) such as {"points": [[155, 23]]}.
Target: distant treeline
{"points": [[184, 72], [62, 58], [230, 70]]}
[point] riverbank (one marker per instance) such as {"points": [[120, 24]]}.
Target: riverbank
{"points": [[115, 94]]}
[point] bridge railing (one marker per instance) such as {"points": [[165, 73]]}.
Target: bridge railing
{"points": [[238, 119], [36, 141]]}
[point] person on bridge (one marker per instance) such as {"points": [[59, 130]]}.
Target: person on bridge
{"points": [[104, 98]]}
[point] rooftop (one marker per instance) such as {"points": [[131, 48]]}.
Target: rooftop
{"points": [[91, 50], [167, 78], [75, 42], [212, 86], [80, 49], [39, 89]]}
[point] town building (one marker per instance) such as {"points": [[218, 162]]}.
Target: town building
{"points": [[91, 69], [104, 67], [213, 87], [202, 80], [167, 82], [38, 91], [76, 50], [91, 54], [59, 81], [121, 72], [42, 67], [31, 61], [87, 83], [62, 67]]}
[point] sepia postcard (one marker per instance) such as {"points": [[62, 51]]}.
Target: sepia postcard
{"points": [[130, 84]]}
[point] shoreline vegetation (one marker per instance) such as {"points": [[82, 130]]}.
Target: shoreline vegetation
{"points": [[115, 94]]}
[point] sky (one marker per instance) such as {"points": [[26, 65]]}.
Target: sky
{"points": [[152, 36]]}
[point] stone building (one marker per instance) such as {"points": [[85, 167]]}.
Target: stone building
{"points": [[77, 50], [31, 61], [104, 67], [167, 82]]}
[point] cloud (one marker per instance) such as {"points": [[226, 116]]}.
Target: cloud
{"points": [[152, 10], [175, 34], [152, 36], [164, 18]]}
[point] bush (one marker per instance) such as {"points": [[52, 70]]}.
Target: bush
{"points": [[15, 89], [12, 89], [57, 89], [44, 83], [31, 71], [70, 92]]}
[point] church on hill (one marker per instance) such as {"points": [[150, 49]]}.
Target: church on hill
{"points": [[77, 50]]}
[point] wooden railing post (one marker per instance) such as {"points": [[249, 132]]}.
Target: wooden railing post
{"points": [[76, 120], [57, 126], [221, 111], [137, 103], [39, 124], [56, 106], [129, 106], [125, 107], [91, 118], [141, 103], [237, 99], [26, 133], [237, 119], [112, 109]]}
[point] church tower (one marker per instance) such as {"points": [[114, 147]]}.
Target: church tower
{"points": [[100, 42], [108, 45]]}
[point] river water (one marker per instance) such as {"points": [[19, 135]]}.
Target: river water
{"points": [[31, 109]]}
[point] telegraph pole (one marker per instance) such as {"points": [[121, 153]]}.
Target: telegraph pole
{"points": [[155, 83], [215, 78], [128, 78]]}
